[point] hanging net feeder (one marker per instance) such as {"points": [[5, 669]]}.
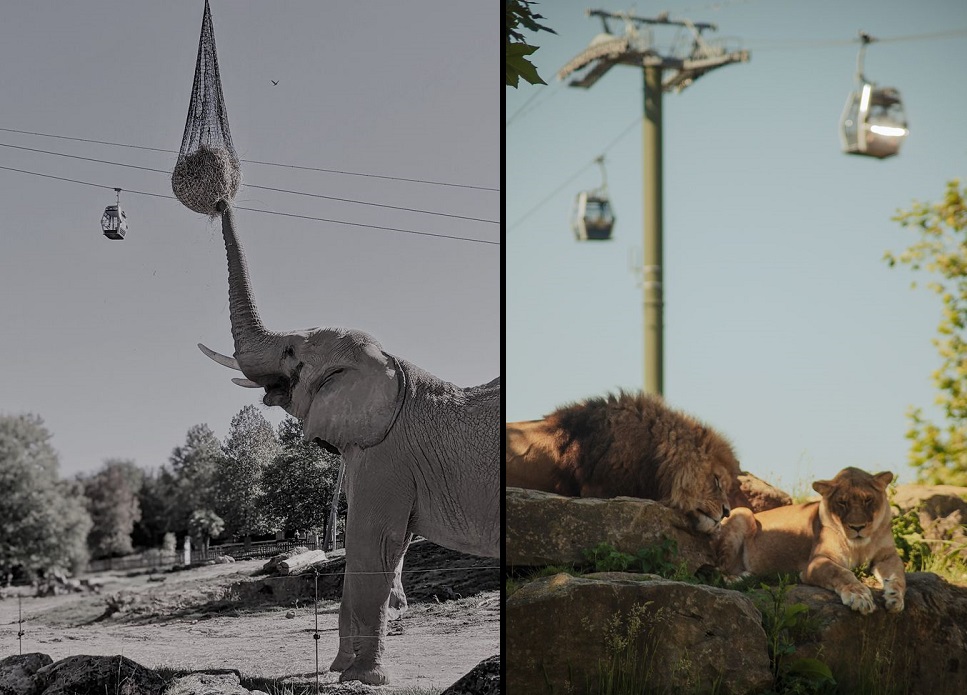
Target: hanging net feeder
{"points": [[207, 169]]}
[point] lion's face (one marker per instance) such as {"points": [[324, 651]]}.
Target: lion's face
{"points": [[704, 492], [855, 502]]}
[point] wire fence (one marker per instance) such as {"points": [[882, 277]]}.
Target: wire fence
{"points": [[194, 634], [239, 551]]}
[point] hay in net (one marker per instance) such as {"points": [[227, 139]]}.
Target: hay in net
{"points": [[207, 169], [204, 177]]}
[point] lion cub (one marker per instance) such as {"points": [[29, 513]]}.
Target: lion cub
{"points": [[822, 540]]}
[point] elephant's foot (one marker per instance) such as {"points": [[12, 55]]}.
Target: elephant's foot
{"points": [[370, 676], [342, 661]]}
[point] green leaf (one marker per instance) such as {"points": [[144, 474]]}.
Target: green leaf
{"points": [[811, 669], [517, 65]]}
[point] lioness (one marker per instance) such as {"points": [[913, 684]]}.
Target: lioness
{"points": [[628, 444], [822, 540]]}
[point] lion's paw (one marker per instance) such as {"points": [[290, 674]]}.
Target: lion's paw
{"points": [[893, 600], [858, 598]]}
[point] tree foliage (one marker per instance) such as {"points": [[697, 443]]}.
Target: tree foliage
{"points": [[112, 501], [518, 15], [203, 525], [194, 467], [43, 522], [939, 451], [249, 447], [299, 482], [160, 505]]}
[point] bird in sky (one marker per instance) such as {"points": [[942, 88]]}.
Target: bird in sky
{"points": [[274, 82]]}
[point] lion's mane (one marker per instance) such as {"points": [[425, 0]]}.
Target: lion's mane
{"points": [[634, 444]]}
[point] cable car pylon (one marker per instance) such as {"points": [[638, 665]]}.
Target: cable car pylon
{"points": [[637, 48], [593, 213], [873, 123]]}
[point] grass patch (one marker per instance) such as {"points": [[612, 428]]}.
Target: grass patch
{"points": [[660, 558]]}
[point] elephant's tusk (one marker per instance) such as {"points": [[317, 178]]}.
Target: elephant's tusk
{"points": [[223, 360], [246, 383]]}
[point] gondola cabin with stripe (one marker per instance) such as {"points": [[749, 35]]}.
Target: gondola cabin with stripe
{"points": [[114, 223], [873, 123], [593, 218]]}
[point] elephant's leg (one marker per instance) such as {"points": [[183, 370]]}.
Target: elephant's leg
{"points": [[376, 547], [397, 607], [344, 658], [397, 597]]}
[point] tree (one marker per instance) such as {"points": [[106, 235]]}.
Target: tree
{"points": [[160, 503], [939, 452], [194, 465], [203, 525], [185, 484], [249, 447], [43, 524], [112, 501], [299, 482], [518, 14]]}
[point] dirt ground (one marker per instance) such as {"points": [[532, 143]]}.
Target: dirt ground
{"points": [[228, 616]]}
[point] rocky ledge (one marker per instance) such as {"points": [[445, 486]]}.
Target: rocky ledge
{"points": [[588, 634]]}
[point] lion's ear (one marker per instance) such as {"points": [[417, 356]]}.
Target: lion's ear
{"points": [[823, 486], [883, 479]]}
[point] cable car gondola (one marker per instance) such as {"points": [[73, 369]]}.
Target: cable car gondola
{"points": [[114, 223], [873, 122], [593, 215]]}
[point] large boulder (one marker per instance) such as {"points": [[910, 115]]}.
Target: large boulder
{"points": [[758, 495], [547, 529], [482, 679], [586, 634], [18, 673], [116, 675], [921, 650], [943, 514]]}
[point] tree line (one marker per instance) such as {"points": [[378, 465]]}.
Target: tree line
{"points": [[259, 480]]}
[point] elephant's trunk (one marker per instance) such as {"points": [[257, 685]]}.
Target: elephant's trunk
{"points": [[253, 344]]}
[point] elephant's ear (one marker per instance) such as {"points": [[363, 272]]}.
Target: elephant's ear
{"points": [[357, 404]]}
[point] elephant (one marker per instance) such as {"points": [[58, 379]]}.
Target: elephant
{"points": [[421, 455]]}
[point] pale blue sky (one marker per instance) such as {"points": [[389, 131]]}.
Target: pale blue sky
{"points": [[99, 336], [783, 327]]}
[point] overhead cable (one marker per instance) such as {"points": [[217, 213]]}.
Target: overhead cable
{"points": [[252, 161], [252, 185], [267, 212]]}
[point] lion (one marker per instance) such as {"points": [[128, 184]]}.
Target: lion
{"points": [[631, 445], [822, 540]]}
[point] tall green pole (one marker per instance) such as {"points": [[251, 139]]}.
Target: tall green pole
{"points": [[653, 295]]}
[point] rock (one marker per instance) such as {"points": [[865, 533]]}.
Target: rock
{"points": [[576, 634], [482, 679], [208, 684], [547, 529], [349, 688], [937, 500], [942, 512], [921, 650], [116, 675], [758, 495], [18, 674]]}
